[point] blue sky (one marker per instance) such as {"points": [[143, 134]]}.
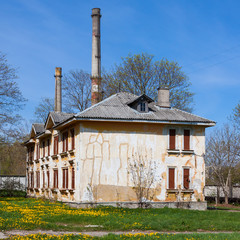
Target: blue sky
{"points": [[202, 36]]}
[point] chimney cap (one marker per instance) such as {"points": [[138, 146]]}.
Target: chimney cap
{"points": [[163, 88], [96, 12]]}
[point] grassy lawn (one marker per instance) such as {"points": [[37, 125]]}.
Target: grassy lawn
{"points": [[21, 213], [232, 236]]}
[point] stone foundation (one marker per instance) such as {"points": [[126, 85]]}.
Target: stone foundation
{"points": [[183, 205]]}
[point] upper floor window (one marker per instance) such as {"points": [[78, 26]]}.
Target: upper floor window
{"points": [[65, 178], [48, 146], [43, 148], [55, 178], [142, 106], [65, 141], [172, 139], [72, 138], [37, 151], [186, 139], [55, 145]]}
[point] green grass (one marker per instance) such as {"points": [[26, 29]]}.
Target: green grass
{"points": [[221, 236], [21, 213]]}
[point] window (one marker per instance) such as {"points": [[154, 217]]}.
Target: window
{"points": [[55, 178], [186, 179], [43, 148], [72, 138], [65, 178], [142, 107], [172, 139], [30, 153], [55, 145], [32, 179], [73, 178], [48, 179], [38, 179], [38, 152], [43, 174], [48, 146], [186, 139], [171, 178], [65, 141]]}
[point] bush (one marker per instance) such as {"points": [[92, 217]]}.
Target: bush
{"points": [[12, 193]]}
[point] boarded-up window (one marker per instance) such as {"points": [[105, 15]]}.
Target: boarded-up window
{"points": [[73, 178], [172, 139], [186, 139], [72, 138], [48, 179], [186, 179], [48, 146], [38, 179], [65, 178], [55, 145], [65, 141], [43, 148], [171, 178], [55, 178]]}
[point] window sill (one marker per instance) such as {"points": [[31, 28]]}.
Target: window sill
{"points": [[54, 189], [55, 156], [71, 190], [187, 151], [187, 191], [64, 190], [173, 151], [36, 160], [172, 190], [63, 154]]}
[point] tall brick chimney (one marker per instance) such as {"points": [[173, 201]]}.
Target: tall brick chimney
{"points": [[58, 89], [96, 95]]}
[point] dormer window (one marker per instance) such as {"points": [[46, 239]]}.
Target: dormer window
{"points": [[140, 103], [142, 106]]}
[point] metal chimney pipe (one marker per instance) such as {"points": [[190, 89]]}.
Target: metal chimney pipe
{"points": [[58, 89], [163, 97], [96, 57]]}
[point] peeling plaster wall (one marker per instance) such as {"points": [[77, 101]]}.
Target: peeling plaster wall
{"points": [[105, 149]]}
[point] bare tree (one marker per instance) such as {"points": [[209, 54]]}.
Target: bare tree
{"points": [[222, 156], [142, 172], [140, 74], [76, 91], [11, 99], [45, 106]]}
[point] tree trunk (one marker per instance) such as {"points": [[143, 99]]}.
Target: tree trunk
{"points": [[226, 198]]}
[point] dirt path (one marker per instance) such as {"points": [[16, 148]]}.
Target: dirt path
{"points": [[7, 234]]}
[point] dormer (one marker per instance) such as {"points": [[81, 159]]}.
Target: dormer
{"points": [[141, 103]]}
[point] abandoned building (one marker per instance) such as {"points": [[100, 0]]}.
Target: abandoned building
{"points": [[83, 158]]}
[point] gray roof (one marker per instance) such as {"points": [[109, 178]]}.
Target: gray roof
{"points": [[116, 108], [59, 117], [38, 127]]}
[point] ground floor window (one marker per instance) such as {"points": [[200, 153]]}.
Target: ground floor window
{"points": [[38, 179], [65, 178], [171, 178], [186, 178], [73, 178], [55, 178]]}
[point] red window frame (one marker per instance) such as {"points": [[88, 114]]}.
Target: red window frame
{"points": [[65, 178], [171, 178], [186, 139], [73, 178], [65, 141], [72, 133], [172, 139], [55, 178], [55, 145]]}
